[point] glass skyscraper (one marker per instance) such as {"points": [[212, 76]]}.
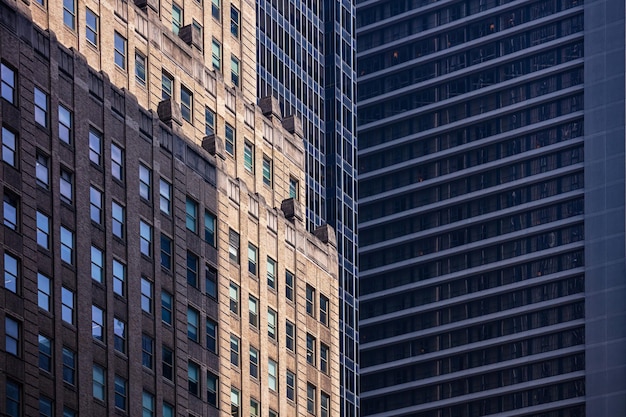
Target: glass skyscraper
{"points": [[491, 219]]}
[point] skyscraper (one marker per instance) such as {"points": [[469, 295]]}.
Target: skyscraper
{"points": [[491, 220], [306, 63]]}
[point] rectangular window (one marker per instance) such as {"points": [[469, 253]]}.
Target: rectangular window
{"points": [[121, 393], [290, 331], [291, 385], [324, 303], [140, 68], [252, 255], [166, 252], [147, 291], [234, 70], [168, 363], [67, 307], [65, 125], [145, 238], [117, 162], [67, 245], [168, 410], [177, 18], [165, 196], [310, 398], [97, 323], [186, 103], [120, 50], [215, 9], [234, 350], [234, 402], [98, 382], [216, 54], [289, 278], [45, 353], [234, 21], [271, 323], [95, 147], [234, 298], [254, 408], [43, 230], [293, 188], [69, 366], [271, 273], [233, 246], [119, 278], [166, 307], [310, 349], [212, 385], [42, 170], [9, 147], [253, 314], [191, 214], [45, 407], [44, 291], [147, 404], [117, 219], [248, 156], [272, 413], [209, 228], [193, 323], [272, 372], [192, 270], [229, 134], [211, 335], [254, 363], [310, 301], [41, 107], [167, 86], [12, 274], [12, 336], [325, 405], [7, 83], [119, 335], [210, 278], [193, 378], [209, 122], [95, 205], [68, 412], [10, 206], [324, 352], [145, 182], [267, 171], [91, 27], [69, 13], [66, 187]]}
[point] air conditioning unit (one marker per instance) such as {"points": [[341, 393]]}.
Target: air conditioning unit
{"points": [[143, 4], [190, 36]]}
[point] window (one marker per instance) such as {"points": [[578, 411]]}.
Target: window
{"points": [[145, 182], [98, 382], [43, 230], [234, 21], [41, 107], [254, 363], [310, 300], [117, 162], [325, 405], [215, 9], [209, 122], [271, 323], [168, 363], [67, 245], [233, 245], [9, 147], [97, 323], [229, 133], [234, 70], [168, 410], [289, 285], [254, 408], [197, 30], [324, 309], [9, 210], [253, 315], [12, 336], [165, 196], [234, 350], [186, 103], [117, 220], [234, 402], [293, 188], [147, 351], [12, 273], [140, 68], [91, 27], [209, 228], [166, 307], [7, 83], [13, 399], [324, 352], [272, 413], [193, 378], [119, 335], [291, 385], [192, 269], [310, 349], [167, 86], [145, 238], [65, 186], [193, 323], [147, 404], [121, 394], [69, 13], [212, 384], [95, 205], [210, 278], [310, 398], [252, 253], [191, 214], [119, 278], [147, 292], [45, 353], [69, 366], [272, 371], [234, 298], [42, 170], [95, 147], [211, 335], [216, 53], [290, 331], [68, 412], [67, 305], [267, 171], [65, 125], [248, 156], [45, 407], [120, 50], [271, 273], [166, 252], [44, 290], [177, 18]]}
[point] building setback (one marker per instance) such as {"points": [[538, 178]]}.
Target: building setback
{"points": [[491, 226], [149, 267]]}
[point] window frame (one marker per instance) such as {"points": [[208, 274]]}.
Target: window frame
{"points": [[120, 47], [91, 27]]}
